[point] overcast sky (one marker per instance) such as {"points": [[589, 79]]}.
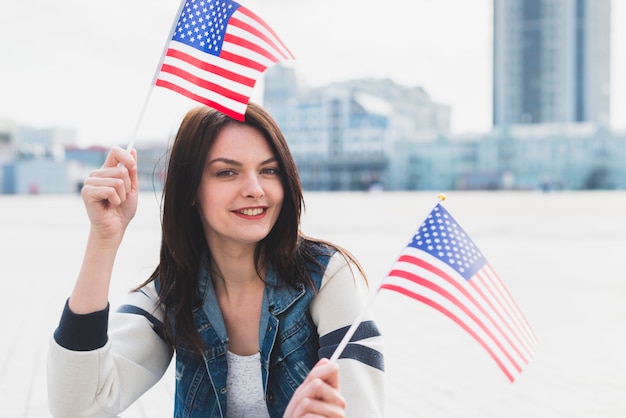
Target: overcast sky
{"points": [[87, 65]]}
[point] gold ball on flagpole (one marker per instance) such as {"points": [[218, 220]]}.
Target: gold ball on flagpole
{"points": [[441, 197]]}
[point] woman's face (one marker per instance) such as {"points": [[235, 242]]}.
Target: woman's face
{"points": [[241, 193]]}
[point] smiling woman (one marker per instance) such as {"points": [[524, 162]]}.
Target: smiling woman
{"points": [[240, 194], [251, 306]]}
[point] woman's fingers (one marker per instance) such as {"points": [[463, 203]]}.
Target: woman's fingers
{"points": [[318, 395], [110, 193], [120, 163], [118, 171], [327, 371], [319, 398], [118, 155], [116, 178]]}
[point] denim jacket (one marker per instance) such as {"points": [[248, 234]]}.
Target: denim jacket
{"points": [[289, 348]]}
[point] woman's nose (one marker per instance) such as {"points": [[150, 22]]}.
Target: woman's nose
{"points": [[252, 187]]}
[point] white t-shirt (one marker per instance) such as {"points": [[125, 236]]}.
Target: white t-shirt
{"points": [[245, 391]]}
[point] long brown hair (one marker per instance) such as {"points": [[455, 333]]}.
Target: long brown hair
{"points": [[183, 242]]}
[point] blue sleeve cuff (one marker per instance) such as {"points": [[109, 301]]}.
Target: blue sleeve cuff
{"points": [[82, 332]]}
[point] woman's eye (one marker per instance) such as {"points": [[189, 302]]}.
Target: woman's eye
{"points": [[270, 170], [225, 173]]}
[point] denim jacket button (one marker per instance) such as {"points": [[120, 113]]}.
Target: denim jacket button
{"points": [[269, 397], [223, 390]]}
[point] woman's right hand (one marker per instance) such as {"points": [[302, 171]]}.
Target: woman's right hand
{"points": [[110, 194]]}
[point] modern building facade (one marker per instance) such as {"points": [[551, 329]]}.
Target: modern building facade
{"points": [[365, 134], [340, 135], [551, 61], [32, 159], [583, 156], [47, 161]]}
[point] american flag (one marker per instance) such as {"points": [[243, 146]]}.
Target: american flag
{"points": [[443, 268], [217, 52]]}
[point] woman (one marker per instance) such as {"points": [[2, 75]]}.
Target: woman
{"points": [[250, 305]]}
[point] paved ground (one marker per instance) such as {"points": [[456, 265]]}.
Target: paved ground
{"points": [[561, 256]]}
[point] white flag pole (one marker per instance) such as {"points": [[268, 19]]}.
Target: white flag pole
{"points": [[346, 338], [155, 76]]}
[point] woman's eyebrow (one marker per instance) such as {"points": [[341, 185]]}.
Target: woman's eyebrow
{"points": [[237, 163], [225, 161]]}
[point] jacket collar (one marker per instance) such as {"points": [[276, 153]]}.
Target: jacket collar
{"points": [[280, 296]]}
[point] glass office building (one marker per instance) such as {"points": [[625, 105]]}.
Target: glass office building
{"points": [[551, 61]]}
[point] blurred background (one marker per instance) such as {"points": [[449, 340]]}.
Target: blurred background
{"points": [[409, 95], [386, 105]]}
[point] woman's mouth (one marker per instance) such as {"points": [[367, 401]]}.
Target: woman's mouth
{"points": [[251, 211]]}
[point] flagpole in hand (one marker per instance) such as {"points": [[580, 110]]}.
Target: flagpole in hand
{"points": [[346, 338], [154, 78]]}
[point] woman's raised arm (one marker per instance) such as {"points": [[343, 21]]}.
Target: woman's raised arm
{"points": [[110, 197]]}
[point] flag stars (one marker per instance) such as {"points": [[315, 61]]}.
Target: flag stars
{"points": [[440, 236], [202, 24]]}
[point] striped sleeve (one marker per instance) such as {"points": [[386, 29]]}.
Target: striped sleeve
{"points": [[143, 302], [104, 381], [342, 296]]}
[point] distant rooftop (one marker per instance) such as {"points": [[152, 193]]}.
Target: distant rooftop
{"points": [[374, 105]]}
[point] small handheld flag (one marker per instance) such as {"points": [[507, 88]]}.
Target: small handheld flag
{"points": [[442, 268], [214, 54], [217, 51]]}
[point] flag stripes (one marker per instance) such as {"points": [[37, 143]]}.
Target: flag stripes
{"points": [[480, 305], [218, 51], [492, 291]]}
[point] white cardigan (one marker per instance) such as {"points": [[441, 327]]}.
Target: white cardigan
{"points": [[106, 381]]}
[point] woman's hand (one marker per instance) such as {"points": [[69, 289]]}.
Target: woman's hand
{"points": [[110, 197], [318, 395], [110, 194]]}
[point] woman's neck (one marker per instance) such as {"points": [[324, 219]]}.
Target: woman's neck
{"points": [[234, 272], [239, 291]]}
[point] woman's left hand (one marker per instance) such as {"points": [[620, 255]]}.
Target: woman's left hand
{"points": [[318, 395]]}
